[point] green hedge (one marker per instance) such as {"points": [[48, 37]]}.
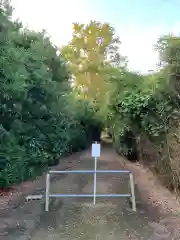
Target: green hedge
{"points": [[42, 119]]}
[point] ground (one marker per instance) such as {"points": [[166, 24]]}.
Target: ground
{"points": [[109, 219]]}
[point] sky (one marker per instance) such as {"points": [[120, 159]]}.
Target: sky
{"points": [[138, 23]]}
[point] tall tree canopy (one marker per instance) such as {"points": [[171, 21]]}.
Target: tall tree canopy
{"points": [[91, 51]]}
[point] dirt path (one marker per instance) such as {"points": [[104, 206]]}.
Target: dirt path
{"points": [[70, 219]]}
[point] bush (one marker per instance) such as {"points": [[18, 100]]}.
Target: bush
{"points": [[148, 108], [41, 118]]}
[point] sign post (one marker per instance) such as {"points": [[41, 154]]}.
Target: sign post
{"points": [[96, 151]]}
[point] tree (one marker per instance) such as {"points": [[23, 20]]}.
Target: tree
{"points": [[169, 52], [92, 49], [41, 119]]}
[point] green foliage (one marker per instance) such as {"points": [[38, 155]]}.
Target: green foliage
{"points": [[41, 119], [142, 105], [144, 111]]}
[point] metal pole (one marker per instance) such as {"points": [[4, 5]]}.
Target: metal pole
{"points": [[47, 192], [132, 192], [91, 171], [95, 168], [88, 195]]}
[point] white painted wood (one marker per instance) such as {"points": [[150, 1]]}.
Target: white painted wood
{"points": [[47, 192], [34, 197]]}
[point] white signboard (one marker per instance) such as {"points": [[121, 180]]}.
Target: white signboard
{"points": [[96, 150]]}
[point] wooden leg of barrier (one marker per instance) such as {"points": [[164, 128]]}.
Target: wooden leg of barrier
{"points": [[133, 200], [47, 192]]}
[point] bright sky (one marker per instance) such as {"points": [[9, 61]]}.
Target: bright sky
{"points": [[138, 23]]}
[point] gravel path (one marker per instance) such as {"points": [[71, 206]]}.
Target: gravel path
{"points": [[70, 219]]}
